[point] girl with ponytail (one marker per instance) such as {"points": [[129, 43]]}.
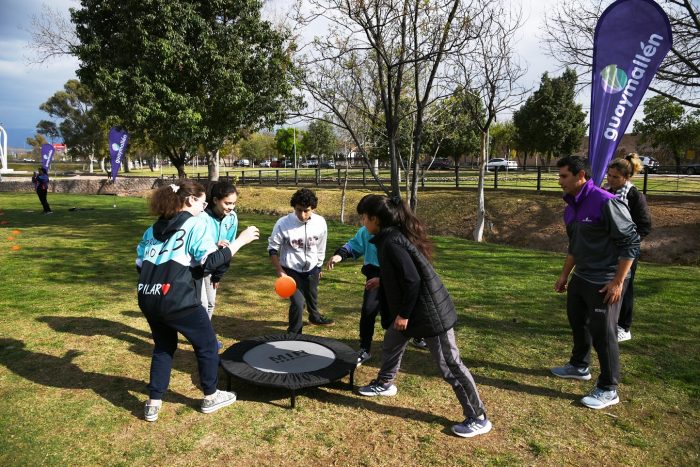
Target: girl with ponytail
{"points": [[173, 254], [620, 173], [415, 303]]}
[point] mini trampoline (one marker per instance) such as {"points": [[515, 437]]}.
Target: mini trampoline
{"points": [[289, 361]]}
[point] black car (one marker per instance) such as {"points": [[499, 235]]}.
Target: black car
{"points": [[437, 165]]}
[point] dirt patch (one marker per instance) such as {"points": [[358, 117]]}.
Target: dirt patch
{"points": [[535, 221]]}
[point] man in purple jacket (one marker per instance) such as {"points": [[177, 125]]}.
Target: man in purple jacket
{"points": [[603, 243]]}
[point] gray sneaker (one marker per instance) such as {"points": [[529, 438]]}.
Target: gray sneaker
{"points": [[150, 411], [472, 427], [378, 388], [572, 372], [217, 401], [600, 398], [363, 356]]}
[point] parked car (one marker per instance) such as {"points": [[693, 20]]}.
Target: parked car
{"points": [[437, 165], [501, 164], [651, 165], [691, 168], [310, 163], [266, 164], [327, 165], [243, 163]]}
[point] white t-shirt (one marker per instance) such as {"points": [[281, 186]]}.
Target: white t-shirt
{"points": [[301, 246]]}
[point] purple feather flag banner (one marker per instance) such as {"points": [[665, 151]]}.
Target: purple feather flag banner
{"points": [[47, 152], [631, 39], [118, 140]]}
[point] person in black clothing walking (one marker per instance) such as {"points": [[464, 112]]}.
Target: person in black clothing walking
{"points": [[415, 303], [41, 185], [620, 173]]}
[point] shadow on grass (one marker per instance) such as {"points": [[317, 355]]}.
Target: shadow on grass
{"points": [[61, 372]]}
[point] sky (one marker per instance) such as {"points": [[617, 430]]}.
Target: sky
{"points": [[24, 87]]}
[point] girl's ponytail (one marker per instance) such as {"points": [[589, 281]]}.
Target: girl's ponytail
{"points": [[168, 200]]}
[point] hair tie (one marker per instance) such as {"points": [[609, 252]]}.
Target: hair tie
{"points": [[395, 200], [174, 187]]}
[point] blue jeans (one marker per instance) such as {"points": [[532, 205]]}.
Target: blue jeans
{"points": [[197, 329]]}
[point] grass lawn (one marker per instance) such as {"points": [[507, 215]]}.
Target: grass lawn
{"points": [[75, 353]]}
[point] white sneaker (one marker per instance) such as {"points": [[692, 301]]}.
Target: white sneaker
{"points": [[623, 335], [377, 388], [217, 401]]}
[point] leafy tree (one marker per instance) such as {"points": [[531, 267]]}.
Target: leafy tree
{"points": [[189, 72], [257, 147], [83, 131], [558, 121], [36, 142], [526, 129], [451, 132], [502, 139], [285, 139], [320, 139], [669, 127]]}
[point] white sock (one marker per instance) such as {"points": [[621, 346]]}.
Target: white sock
{"points": [[157, 402]]}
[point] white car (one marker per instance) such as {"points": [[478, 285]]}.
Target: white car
{"points": [[266, 164], [501, 164]]}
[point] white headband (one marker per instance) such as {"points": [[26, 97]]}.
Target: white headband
{"points": [[174, 187]]}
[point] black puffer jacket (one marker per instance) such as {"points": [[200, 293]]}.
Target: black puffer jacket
{"points": [[410, 287]]}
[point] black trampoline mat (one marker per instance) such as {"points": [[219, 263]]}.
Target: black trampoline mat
{"points": [[291, 361]]}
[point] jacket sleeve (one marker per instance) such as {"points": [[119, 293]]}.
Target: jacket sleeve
{"points": [[407, 278], [639, 211], [322, 239], [274, 243], [622, 230]]}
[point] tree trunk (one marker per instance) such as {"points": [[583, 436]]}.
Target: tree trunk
{"points": [[213, 165], [342, 196], [480, 204], [125, 164]]}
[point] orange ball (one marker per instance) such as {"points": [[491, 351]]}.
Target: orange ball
{"points": [[285, 286], [16, 232], [15, 247]]}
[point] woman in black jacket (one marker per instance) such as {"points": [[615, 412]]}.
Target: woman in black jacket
{"points": [[620, 173], [415, 303]]}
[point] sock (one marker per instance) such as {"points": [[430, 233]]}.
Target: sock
{"points": [[156, 402]]}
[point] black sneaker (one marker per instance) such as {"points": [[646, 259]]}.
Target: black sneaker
{"points": [[419, 343], [322, 321], [363, 356]]}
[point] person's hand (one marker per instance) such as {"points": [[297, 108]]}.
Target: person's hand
{"points": [[372, 283], [400, 324], [560, 285], [249, 235], [215, 285], [281, 273], [223, 243], [612, 291], [331, 262]]}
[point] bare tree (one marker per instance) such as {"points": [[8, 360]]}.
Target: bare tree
{"points": [[380, 64], [52, 35], [568, 38], [491, 73]]}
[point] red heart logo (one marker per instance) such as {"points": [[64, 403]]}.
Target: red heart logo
{"points": [[165, 288]]}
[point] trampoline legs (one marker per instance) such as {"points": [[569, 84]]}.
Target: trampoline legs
{"points": [[352, 380], [228, 381], [294, 398]]}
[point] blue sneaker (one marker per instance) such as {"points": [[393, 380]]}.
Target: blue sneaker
{"points": [[600, 398], [572, 372], [220, 344], [471, 427], [377, 388]]}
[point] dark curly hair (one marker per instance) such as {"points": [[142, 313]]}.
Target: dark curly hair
{"points": [[305, 198]]}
